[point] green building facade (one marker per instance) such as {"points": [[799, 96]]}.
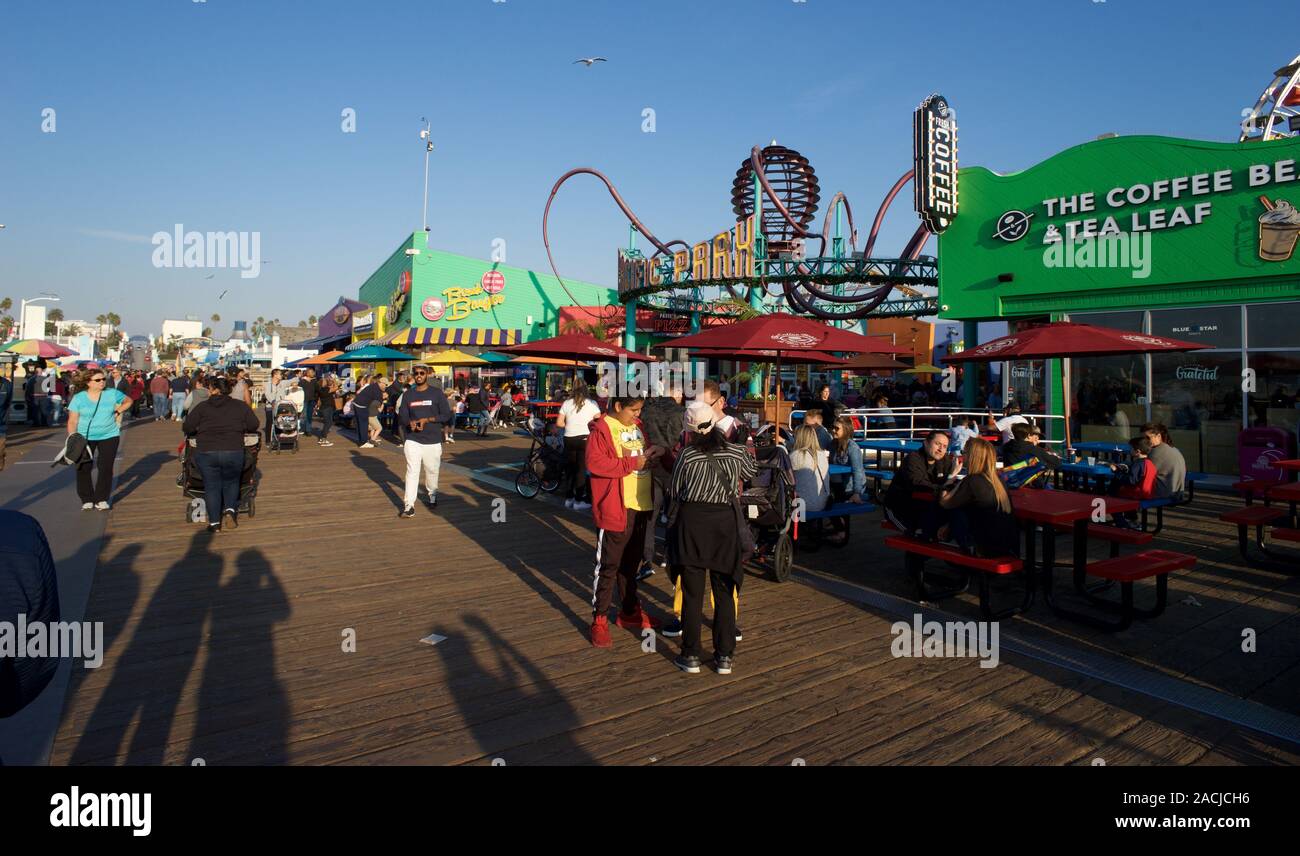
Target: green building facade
{"points": [[1187, 239]]}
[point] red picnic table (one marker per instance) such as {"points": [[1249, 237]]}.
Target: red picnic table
{"points": [[1054, 510]]}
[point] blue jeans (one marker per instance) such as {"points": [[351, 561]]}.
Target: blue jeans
{"points": [[220, 481], [361, 416], [56, 410], [178, 405], [160, 405], [308, 411]]}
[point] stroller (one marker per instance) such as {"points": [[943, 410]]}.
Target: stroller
{"points": [[190, 481], [544, 466], [768, 504], [284, 427]]}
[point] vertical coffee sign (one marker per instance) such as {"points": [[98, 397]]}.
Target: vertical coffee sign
{"points": [[934, 136]]}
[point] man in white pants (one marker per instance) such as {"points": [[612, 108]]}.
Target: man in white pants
{"points": [[423, 413]]}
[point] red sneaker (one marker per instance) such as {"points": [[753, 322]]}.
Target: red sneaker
{"points": [[638, 620], [600, 633]]}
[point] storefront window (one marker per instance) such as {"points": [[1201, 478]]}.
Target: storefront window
{"points": [[1273, 325], [1108, 394], [1213, 326], [1277, 382], [1198, 396]]}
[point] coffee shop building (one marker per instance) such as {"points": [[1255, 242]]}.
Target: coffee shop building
{"points": [[1168, 237]]}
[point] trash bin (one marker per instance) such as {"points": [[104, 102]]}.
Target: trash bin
{"points": [[1259, 448]]}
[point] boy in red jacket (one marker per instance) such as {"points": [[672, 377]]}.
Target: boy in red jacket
{"points": [[1136, 480], [622, 503]]}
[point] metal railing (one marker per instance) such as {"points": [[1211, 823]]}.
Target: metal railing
{"points": [[916, 422]]}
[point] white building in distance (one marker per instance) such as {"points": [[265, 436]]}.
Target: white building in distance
{"points": [[190, 328]]}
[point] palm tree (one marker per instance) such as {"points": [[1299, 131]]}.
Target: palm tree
{"points": [[73, 330], [311, 319], [594, 329], [114, 319], [215, 318], [207, 332], [55, 315], [7, 303]]}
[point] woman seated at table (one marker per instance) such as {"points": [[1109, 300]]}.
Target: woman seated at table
{"points": [[844, 452], [976, 514], [810, 463]]}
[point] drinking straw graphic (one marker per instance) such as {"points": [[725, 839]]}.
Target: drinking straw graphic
{"points": [[1267, 204]]}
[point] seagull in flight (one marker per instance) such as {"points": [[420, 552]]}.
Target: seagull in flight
{"points": [[222, 294], [210, 276], [589, 61]]}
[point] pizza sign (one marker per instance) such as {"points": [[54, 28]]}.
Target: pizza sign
{"points": [[433, 309]]}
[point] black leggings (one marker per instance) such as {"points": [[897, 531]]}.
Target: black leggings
{"points": [[575, 456], [326, 420], [104, 453]]}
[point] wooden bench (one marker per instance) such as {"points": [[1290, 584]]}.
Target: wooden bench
{"points": [[1127, 570], [840, 510], [916, 552]]}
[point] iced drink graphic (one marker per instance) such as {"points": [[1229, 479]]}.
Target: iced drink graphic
{"points": [[1279, 227]]}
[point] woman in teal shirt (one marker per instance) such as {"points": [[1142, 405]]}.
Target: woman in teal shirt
{"points": [[96, 413]]}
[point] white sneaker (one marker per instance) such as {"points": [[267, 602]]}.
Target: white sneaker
{"points": [[581, 506], [367, 445], [102, 506], [87, 506], [568, 503]]}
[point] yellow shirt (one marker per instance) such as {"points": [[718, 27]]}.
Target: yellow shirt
{"points": [[629, 443]]}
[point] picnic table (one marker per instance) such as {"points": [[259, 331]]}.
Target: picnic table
{"points": [[1082, 471], [1102, 448]]}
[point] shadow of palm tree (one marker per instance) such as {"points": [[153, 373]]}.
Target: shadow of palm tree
{"points": [[241, 669], [151, 673]]}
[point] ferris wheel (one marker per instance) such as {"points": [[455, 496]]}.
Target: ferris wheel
{"points": [[1277, 112]]}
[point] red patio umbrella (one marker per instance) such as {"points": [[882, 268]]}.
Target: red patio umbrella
{"points": [[1066, 339], [767, 355], [785, 335], [576, 346]]}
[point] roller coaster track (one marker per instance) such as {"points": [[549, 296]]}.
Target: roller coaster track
{"points": [[798, 279]]}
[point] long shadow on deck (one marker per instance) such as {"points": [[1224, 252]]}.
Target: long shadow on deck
{"points": [[140, 472], [240, 684], [151, 673], [524, 716], [377, 470]]}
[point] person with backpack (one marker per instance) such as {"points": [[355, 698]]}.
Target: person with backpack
{"points": [[662, 420], [619, 461], [704, 537], [95, 413]]}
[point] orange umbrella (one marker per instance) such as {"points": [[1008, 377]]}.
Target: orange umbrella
{"points": [[319, 359]]}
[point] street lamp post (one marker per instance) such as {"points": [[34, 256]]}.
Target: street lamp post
{"points": [[22, 313]]}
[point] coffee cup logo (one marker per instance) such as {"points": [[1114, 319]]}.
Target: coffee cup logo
{"points": [[1279, 228]]}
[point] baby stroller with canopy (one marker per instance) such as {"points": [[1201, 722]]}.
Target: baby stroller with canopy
{"points": [[190, 480], [284, 427], [768, 504]]}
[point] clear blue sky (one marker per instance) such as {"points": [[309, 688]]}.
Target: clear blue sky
{"points": [[225, 115]]}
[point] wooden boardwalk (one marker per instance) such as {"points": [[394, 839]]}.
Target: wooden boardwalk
{"points": [[231, 649]]}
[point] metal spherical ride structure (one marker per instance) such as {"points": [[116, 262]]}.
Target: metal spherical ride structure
{"points": [[793, 183], [1276, 114]]}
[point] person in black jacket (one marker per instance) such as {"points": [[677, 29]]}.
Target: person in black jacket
{"points": [[829, 407], [928, 468], [28, 585], [1024, 444], [219, 425], [310, 392], [365, 405], [661, 422]]}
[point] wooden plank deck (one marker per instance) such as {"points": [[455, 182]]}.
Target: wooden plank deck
{"points": [[229, 649]]}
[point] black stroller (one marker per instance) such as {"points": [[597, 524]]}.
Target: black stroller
{"points": [[768, 503], [284, 427], [190, 480], [544, 466]]}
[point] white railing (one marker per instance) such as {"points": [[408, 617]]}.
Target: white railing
{"points": [[916, 422]]}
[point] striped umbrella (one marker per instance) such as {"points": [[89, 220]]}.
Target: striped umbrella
{"points": [[38, 348]]}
